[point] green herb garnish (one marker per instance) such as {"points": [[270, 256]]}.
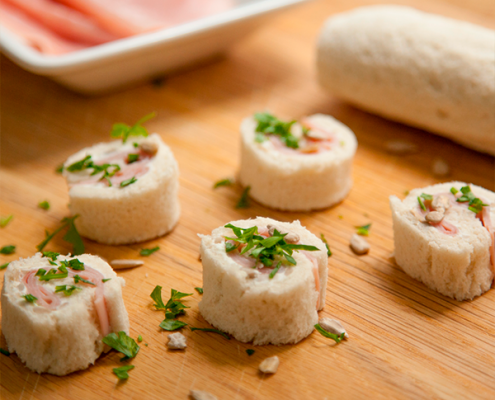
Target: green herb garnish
{"points": [[81, 164], [270, 125], [108, 170], [249, 352], [72, 236], [427, 197], [122, 343], [223, 182], [78, 279], [140, 339], [4, 221], [61, 273], [3, 266], [66, 289], [132, 158], [275, 270], [59, 169], [128, 182], [156, 295], [244, 200], [148, 252], [199, 290], [363, 230], [121, 372], [454, 191], [10, 249], [475, 204], [44, 205], [329, 252], [106, 280], [421, 204], [337, 338], [124, 130], [171, 324], [51, 254], [211, 330], [265, 250], [75, 264], [4, 352], [30, 298]]}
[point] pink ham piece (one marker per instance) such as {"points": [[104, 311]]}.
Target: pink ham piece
{"points": [[51, 301], [64, 21], [33, 33], [131, 17]]}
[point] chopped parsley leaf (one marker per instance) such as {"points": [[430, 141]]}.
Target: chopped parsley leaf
{"points": [[66, 289], [171, 324], [329, 252], [59, 169], [4, 352], [108, 170], [78, 279], [121, 372], [421, 204], [81, 164], [128, 182], [52, 274], [132, 158], [337, 338], [173, 307], [363, 230], [211, 330], [475, 204], [199, 290], [148, 252], [44, 205], [275, 270], [140, 339], [75, 264], [106, 280], [72, 236], [249, 352], [454, 191], [427, 197], [30, 298], [270, 125], [4, 221], [3, 266], [124, 130], [122, 343], [223, 182], [244, 200], [51, 254], [156, 295], [10, 249], [263, 249]]}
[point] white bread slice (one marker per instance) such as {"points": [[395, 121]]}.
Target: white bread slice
{"points": [[65, 339], [459, 265], [421, 69], [298, 182], [262, 310], [141, 211]]}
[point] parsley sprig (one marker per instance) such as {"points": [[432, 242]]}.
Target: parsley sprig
{"points": [[337, 338], [121, 372], [474, 203], [173, 308], [264, 250], [72, 236], [53, 273], [9, 249], [109, 170], [66, 289], [122, 343], [124, 131], [270, 125]]}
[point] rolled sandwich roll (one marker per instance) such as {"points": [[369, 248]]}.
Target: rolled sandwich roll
{"points": [[296, 166], [55, 311], [422, 69], [124, 192], [444, 236], [260, 297]]}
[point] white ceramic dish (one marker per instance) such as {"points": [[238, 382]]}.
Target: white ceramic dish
{"points": [[115, 64]]}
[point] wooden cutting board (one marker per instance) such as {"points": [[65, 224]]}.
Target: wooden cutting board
{"points": [[406, 341]]}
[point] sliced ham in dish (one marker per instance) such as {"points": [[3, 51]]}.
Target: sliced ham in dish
{"points": [[33, 33]]}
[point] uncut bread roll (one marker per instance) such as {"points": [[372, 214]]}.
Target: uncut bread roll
{"points": [[317, 174], [60, 333], [421, 69], [240, 298], [142, 210], [447, 246]]}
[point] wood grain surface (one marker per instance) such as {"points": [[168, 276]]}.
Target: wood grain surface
{"points": [[406, 341]]}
